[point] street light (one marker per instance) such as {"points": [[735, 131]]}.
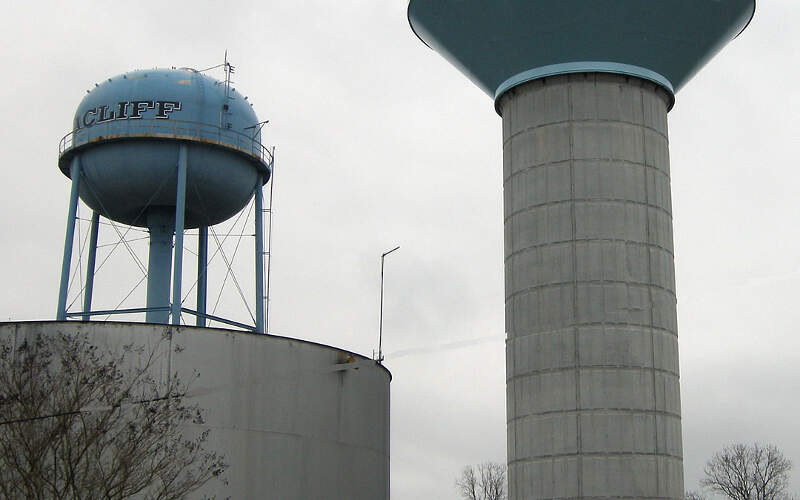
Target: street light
{"points": [[380, 327]]}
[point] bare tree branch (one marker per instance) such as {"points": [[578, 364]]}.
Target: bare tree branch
{"points": [[79, 423], [748, 472], [467, 484], [488, 483]]}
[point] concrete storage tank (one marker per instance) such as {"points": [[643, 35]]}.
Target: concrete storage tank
{"points": [[583, 88], [295, 420], [170, 149]]}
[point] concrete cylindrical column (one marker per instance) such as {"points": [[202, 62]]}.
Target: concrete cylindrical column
{"points": [[592, 355]]}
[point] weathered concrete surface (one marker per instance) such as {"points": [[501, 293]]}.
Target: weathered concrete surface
{"points": [[295, 420], [592, 355]]}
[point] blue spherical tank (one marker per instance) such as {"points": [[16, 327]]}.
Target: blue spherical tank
{"points": [[127, 133]]}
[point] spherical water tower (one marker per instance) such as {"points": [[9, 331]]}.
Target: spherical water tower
{"points": [[169, 150], [583, 88]]}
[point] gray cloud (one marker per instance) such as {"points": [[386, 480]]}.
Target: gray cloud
{"points": [[380, 142]]}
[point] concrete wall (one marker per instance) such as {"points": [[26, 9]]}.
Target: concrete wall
{"points": [[592, 355], [294, 419]]}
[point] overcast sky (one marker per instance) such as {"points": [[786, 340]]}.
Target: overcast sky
{"points": [[380, 142]]}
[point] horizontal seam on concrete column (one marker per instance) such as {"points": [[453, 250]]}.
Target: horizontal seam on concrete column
{"points": [[560, 369], [563, 330], [629, 411], [599, 160], [587, 282], [584, 120], [623, 201], [541, 458], [604, 323], [609, 240]]}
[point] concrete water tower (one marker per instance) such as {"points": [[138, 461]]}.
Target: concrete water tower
{"points": [[168, 150], [583, 88]]}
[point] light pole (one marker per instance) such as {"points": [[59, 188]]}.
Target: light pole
{"points": [[380, 327]]}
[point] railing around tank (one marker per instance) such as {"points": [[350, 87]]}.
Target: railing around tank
{"points": [[175, 129]]}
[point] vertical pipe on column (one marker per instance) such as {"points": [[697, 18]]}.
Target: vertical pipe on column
{"points": [[202, 278], [75, 175], [259, 195], [90, 264], [180, 211]]}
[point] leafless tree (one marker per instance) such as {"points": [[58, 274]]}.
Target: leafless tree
{"points": [[467, 484], [693, 495], [749, 472], [486, 481], [77, 422]]}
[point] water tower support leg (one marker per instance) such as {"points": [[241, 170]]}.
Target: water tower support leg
{"points": [[259, 208], [75, 175], [180, 211], [159, 265], [90, 264], [202, 278]]}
